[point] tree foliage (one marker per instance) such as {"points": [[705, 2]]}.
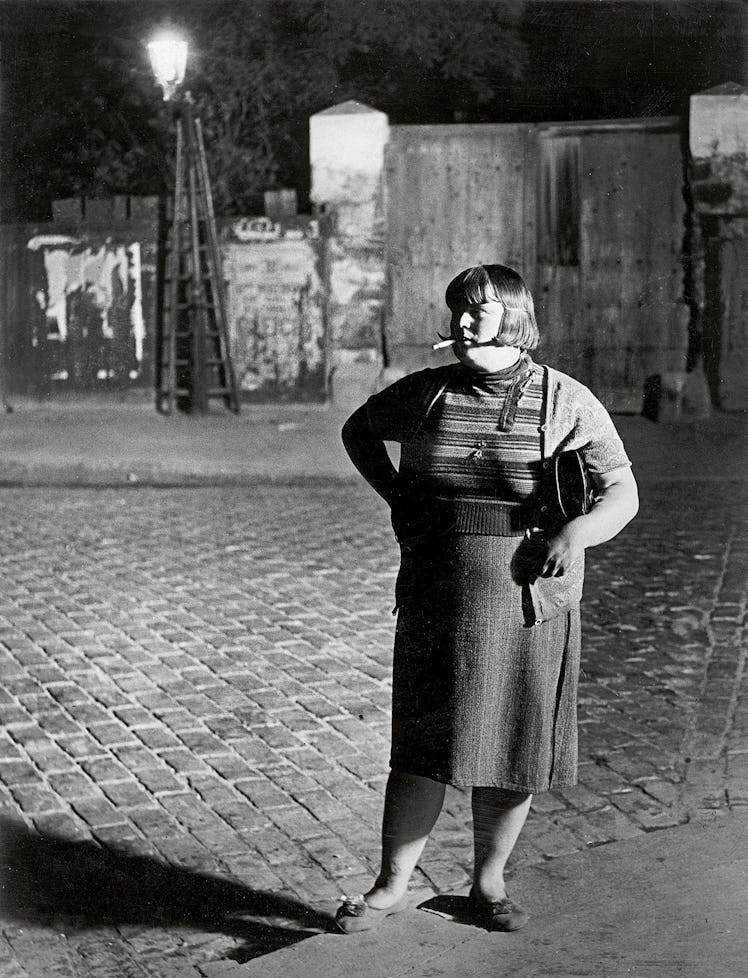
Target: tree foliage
{"points": [[80, 117], [86, 118]]}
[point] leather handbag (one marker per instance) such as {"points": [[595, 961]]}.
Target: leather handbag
{"points": [[566, 490]]}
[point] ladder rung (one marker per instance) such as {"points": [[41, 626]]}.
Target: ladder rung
{"points": [[185, 249], [205, 277], [214, 350], [211, 392], [209, 362]]}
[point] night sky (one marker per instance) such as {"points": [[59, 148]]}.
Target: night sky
{"points": [[585, 60]]}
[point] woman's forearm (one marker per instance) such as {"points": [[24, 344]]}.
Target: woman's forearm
{"points": [[615, 506], [617, 503], [369, 455]]}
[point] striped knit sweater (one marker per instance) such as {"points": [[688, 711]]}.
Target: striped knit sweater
{"points": [[473, 444]]}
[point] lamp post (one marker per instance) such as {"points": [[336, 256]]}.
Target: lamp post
{"points": [[194, 364]]}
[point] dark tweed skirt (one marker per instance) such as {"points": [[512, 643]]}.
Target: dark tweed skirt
{"points": [[479, 698]]}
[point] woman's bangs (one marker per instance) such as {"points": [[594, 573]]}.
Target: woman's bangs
{"points": [[473, 287]]}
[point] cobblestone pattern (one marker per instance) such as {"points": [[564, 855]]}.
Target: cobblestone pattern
{"points": [[194, 709]]}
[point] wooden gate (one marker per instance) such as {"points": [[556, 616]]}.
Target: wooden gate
{"points": [[591, 214]]}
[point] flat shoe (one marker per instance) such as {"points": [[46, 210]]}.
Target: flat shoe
{"points": [[355, 915], [502, 915]]}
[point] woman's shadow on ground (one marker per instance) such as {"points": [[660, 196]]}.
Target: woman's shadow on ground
{"points": [[45, 878]]}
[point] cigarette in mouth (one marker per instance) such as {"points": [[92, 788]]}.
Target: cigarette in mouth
{"points": [[443, 344]]}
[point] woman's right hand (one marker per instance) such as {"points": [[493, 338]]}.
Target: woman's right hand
{"points": [[408, 510], [401, 515]]}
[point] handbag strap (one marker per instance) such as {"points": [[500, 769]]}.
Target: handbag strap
{"points": [[509, 411], [545, 412], [580, 469]]}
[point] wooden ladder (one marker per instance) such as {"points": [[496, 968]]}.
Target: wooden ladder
{"points": [[194, 360]]}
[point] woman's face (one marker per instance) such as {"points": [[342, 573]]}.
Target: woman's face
{"points": [[474, 324]]}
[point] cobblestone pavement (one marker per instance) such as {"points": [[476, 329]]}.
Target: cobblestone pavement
{"points": [[195, 713]]}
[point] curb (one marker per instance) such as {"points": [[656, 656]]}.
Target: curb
{"points": [[670, 902]]}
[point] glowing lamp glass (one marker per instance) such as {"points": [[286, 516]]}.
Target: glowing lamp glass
{"points": [[169, 61]]}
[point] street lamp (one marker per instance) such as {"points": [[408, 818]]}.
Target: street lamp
{"points": [[168, 54], [194, 362]]}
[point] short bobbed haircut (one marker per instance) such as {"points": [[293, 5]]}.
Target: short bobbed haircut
{"points": [[499, 283]]}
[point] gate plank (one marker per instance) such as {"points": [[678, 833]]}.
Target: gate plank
{"points": [[610, 308]]}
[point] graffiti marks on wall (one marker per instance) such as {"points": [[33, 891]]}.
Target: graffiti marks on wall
{"points": [[264, 229], [90, 299], [276, 318], [357, 284]]}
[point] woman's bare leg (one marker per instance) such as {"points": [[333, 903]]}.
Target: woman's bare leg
{"points": [[411, 808], [498, 818]]}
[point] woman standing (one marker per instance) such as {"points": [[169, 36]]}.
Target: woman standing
{"points": [[487, 644]]}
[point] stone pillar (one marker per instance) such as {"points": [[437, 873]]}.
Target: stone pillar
{"points": [[718, 142], [346, 149]]}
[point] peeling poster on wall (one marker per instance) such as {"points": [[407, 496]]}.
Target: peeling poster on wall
{"points": [[275, 311], [91, 327]]}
